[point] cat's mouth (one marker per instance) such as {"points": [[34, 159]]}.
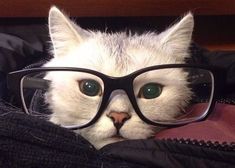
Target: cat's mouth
{"points": [[117, 136]]}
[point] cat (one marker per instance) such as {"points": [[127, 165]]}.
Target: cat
{"points": [[113, 54]]}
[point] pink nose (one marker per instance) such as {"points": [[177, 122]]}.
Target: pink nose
{"points": [[119, 118]]}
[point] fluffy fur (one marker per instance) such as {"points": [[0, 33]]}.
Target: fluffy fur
{"points": [[116, 54]]}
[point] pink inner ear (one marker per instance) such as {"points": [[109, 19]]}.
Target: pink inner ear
{"points": [[219, 126]]}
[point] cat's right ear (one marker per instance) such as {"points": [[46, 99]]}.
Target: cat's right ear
{"points": [[64, 33]]}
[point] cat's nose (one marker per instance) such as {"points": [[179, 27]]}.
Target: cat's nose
{"points": [[118, 118]]}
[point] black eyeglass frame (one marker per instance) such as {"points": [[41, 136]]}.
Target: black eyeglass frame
{"points": [[125, 83]]}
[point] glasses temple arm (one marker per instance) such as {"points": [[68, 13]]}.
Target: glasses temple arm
{"points": [[36, 83]]}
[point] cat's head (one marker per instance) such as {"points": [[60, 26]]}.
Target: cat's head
{"points": [[114, 54]]}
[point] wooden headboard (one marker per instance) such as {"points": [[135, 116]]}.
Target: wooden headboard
{"points": [[214, 19], [104, 8]]}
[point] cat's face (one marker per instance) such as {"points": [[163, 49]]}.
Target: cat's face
{"points": [[116, 55]]}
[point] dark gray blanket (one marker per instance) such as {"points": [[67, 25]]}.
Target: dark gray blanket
{"points": [[27, 142]]}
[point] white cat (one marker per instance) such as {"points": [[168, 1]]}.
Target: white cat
{"points": [[116, 54]]}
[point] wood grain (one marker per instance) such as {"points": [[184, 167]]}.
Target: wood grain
{"points": [[214, 21], [107, 8]]}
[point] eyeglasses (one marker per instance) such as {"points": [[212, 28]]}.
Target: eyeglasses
{"points": [[165, 95]]}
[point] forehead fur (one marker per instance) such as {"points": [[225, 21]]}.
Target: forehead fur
{"points": [[117, 54]]}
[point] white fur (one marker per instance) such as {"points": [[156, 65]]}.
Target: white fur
{"points": [[116, 54]]}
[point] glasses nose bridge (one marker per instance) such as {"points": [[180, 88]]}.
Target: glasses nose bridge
{"points": [[120, 83]]}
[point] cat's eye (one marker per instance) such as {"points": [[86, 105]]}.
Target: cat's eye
{"points": [[90, 87], [150, 91]]}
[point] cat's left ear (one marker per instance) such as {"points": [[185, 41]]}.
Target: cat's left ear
{"points": [[176, 39], [64, 33]]}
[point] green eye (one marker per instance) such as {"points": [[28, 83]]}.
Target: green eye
{"points": [[150, 91], [90, 87]]}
